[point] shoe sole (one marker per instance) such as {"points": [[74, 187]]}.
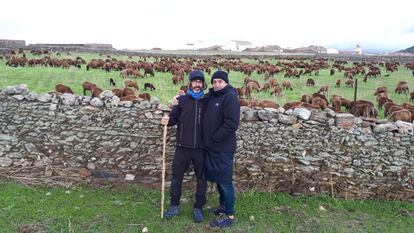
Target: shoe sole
{"points": [[223, 226]]}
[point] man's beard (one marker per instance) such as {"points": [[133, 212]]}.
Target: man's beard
{"points": [[196, 89]]}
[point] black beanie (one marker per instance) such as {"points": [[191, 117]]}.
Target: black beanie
{"points": [[196, 74], [221, 75]]}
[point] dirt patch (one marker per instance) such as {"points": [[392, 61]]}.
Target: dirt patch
{"points": [[31, 228]]}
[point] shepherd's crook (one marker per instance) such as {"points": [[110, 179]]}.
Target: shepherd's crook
{"points": [[164, 142]]}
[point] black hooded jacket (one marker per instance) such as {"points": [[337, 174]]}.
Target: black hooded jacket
{"points": [[221, 120], [187, 115]]}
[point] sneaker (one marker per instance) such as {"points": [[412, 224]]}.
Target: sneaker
{"points": [[219, 210], [223, 221], [198, 215], [172, 211]]}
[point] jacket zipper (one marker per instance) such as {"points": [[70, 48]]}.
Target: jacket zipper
{"points": [[181, 133], [195, 123]]}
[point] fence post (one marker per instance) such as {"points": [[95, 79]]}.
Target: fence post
{"points": [[355, 93]]}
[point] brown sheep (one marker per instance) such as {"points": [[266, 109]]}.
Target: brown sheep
{"points": [[129, 83], [402, 88], [249, 79], [96, 91], [381, 95], [253, 103], [393, 109], [338, 83], [130, 72], [387, 107], [117, 92], [323, 89], [265, 87], [145, 96], [125, 73], [63, 89], [88, 86], [363, 108], [346, 103], [132, 98], [273, 82], [291, 105], [336, 103], [136, 74], [176, 79], [381, 90], [277, 91], [287, 85], [349, 83], [407, 106], [306, 99], [319, 102], [320, 96], [253, 86], [310, 82], [244, 93], [268, 104], [126, 91], [243, 102], [267, 76], [382, 100], [309, 106], [412, 96], [148, 70], [400, 115]]}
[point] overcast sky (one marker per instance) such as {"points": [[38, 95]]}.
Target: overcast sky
{"points": [[170, 24]]}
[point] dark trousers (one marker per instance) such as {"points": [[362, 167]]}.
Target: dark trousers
{"points": [[226, 197], [181, 162], [219, 169]]}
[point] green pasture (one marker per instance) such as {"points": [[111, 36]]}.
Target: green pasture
{"points": [[43, 79]]}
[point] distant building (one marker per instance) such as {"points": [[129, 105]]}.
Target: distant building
{"points": [[346, 52], [212, 48], [12, 44], [239, 45], [312, 49], [99, 46], [87, 45], [267, 48], [358, 49], [332, 51]]}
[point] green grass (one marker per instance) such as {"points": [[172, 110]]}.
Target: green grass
{"points": [[44, 79], [87, 209]]}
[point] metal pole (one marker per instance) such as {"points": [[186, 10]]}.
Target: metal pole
{"points": [[352, 110], [356, 88], [164, 142]]}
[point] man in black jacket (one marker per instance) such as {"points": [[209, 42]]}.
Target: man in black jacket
{"points": [[187, 116], [220, 123]]}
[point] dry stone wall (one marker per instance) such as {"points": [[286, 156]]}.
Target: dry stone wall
{"points": [[299, 151]]}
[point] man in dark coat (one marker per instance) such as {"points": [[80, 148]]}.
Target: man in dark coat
{"points": [[220, 123], [187, 115]]}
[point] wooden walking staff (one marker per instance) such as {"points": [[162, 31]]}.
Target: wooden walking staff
{"points": [[164, 145]]}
